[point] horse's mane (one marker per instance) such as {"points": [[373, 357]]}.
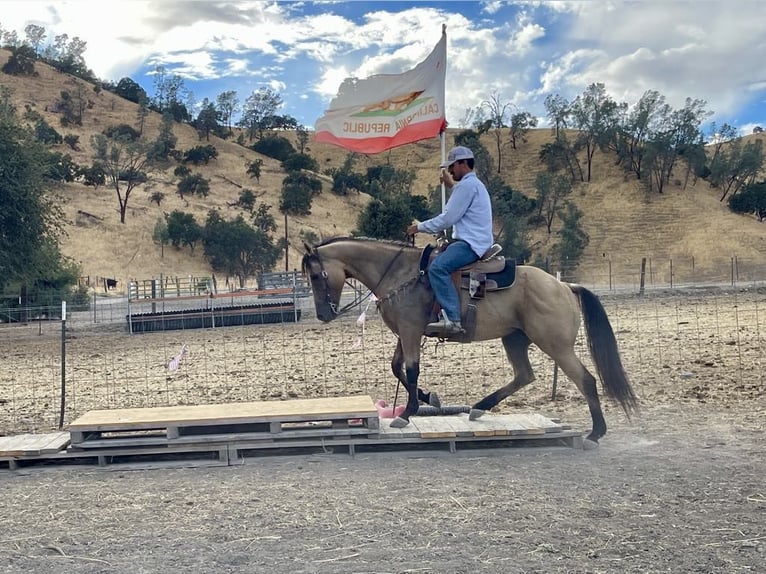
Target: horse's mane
{"points": [[363, 239]]}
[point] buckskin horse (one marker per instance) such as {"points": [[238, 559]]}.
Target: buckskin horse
{"points": [[536, 308]]}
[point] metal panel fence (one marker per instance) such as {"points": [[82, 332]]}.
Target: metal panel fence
{"points": [[692, 343]]}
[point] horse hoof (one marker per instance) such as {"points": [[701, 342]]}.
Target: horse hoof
{"points": [[434, 400], [399, 423], [475, 414], [588, 444]]}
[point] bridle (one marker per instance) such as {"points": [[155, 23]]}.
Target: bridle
{"points": [[323, 274]]}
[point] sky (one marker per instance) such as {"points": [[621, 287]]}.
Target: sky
{"points": [[517, 52]]}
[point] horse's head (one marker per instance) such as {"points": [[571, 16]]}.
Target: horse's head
{"points": [[327, 278]]}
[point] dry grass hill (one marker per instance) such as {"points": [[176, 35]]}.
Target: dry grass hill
{"points": [[624, 222]]}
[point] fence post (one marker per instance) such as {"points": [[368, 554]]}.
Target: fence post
{"points": [[63, 364], [671, 273], [642, 275], [610, 274]]}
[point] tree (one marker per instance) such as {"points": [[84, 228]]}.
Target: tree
{"points": [[521, 123], [142, 112], [169, 92], [259, 106], [130, 90], [160, 234], [183, 229], [207, 120], [35, 36], [559, 155], [558, 113], [498, 114], [637, 128], [298, 190], [165, 144], [302, 135], [193, 184], [30, 220], [237, 249], [385, 219], [246, 200], [345, 178], [228, 105], [21, 62], [263, 220], [736, 166], [594, 115], [551, 191], [483, 162], [573, 240], [254, 169], [752, 199], [125, 164]]}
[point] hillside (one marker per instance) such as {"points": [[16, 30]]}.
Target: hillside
{"points": [[624, 222]]}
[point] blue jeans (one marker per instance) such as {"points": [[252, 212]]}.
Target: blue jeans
{"points": [[457, 255]]}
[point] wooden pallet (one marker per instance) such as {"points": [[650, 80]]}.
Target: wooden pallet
{"points": [[214, 435], [490, 431], [265, 420]]}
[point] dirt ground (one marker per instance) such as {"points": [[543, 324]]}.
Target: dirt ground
{"points": [[680, 488], [676, 491]]}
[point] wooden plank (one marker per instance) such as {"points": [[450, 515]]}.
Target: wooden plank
{"points": [[33, 444], [489, 425], [460, 425], [433, 427], [387, 431], [231, 413], [543, 422], [532, 427]]}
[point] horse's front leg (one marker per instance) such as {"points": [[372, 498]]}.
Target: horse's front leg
{"points": [[397, 367], [410, 352]]}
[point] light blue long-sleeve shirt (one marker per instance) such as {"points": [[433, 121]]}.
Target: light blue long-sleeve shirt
{"points": [[469, 212]]}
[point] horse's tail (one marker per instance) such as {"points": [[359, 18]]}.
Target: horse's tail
{"points": [[603, 349]]}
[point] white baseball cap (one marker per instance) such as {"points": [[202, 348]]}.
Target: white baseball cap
{"points": [[456, 154]]}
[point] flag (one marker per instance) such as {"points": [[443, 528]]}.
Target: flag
{"points": [[388, 110]]}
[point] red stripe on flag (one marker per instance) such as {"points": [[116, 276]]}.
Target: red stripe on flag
{"points": [[410, 134]]}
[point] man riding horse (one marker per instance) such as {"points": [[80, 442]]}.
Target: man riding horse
{"points": [[469, 213]]}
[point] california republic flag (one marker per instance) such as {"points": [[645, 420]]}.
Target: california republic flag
{"points": [[388, 110]]}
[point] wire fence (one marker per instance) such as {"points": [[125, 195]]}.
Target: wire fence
{"points": [[698, 343]]}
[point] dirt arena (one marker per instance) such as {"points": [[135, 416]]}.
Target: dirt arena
{"points": [[680, 488]]}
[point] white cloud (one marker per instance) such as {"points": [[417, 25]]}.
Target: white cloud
{"points": [[523, 50]]}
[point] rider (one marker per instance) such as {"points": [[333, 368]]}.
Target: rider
{"points": [[469, 212]]}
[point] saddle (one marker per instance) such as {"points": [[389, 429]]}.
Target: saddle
{"points": [[491, 272]]}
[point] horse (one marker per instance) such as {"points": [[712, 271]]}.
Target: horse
{"points": [[536, 309]]}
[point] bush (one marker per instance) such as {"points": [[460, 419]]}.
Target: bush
{"points": [[122, 131], [299, 161], [201, 154], [194, 184], [275, 146]]}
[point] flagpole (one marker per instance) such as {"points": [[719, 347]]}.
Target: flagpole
{"points": [[443, 133], [443, 139]]}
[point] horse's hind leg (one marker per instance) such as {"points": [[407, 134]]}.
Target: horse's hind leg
{"points": [[586, 382], [397, 367], [517, 350]]}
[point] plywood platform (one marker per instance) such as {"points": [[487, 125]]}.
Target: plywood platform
{"points": [[267, 420], [205, 435]]}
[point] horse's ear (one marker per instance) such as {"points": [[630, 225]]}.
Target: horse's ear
{"points": [[309, 249]]}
